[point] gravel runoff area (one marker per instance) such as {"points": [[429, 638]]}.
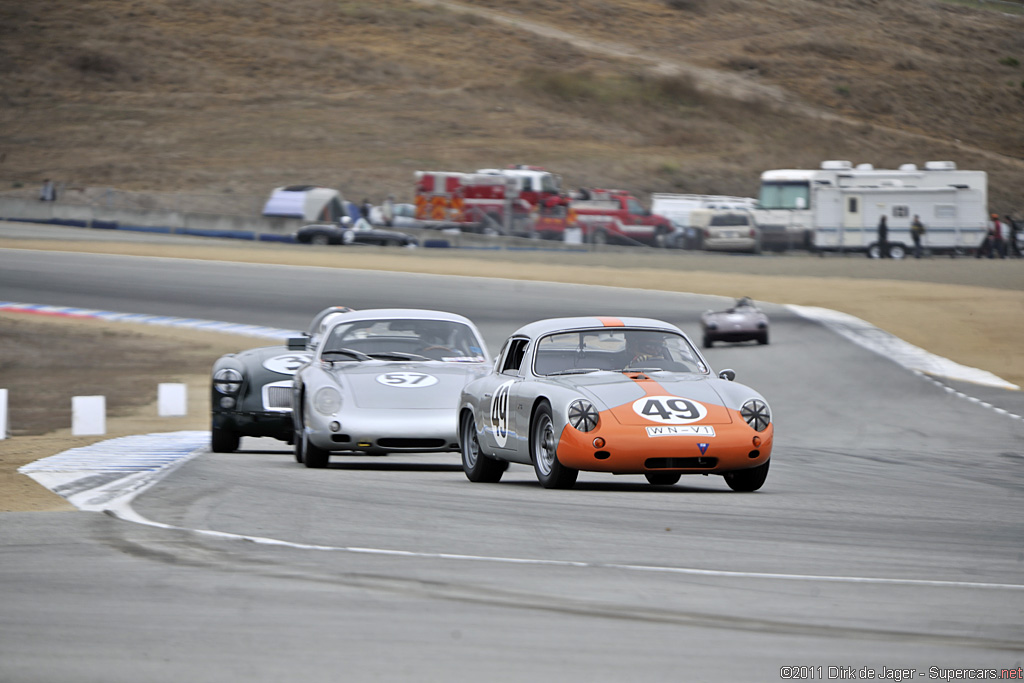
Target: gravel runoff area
{"points": [[968, 310]]}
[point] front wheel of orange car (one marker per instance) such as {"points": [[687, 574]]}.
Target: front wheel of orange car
{"points": [[550, 473], [747, 480]]}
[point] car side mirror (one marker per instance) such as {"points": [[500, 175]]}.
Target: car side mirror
{"points": [[727, 374], [298, 343]]}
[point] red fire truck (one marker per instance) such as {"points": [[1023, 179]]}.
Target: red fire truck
{"points": [[603, 216], [490, 200]]}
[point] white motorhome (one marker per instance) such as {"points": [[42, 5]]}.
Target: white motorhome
{"points": [[679, 208], [838, 207]]}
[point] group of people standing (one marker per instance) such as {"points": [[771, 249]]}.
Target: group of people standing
{"points": [[993, 246]]}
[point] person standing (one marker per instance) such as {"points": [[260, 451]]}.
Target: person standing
{"points": [[883, 238], [388, 210], [998, 246], [1014, 246], [916, 232], [47, 193]]}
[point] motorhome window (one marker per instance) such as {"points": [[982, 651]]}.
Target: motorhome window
{"points": [[784, 195], [851, 205], [945, 211], [900, 211]]}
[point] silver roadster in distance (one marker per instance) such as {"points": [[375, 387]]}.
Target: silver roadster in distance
{"points": [[385, 380], [616, 395], [743, 321]]}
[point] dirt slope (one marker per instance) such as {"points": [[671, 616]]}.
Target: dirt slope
{"points": [[234, 97]]}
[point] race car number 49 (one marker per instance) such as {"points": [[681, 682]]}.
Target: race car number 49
{"points": [[670, 410]]}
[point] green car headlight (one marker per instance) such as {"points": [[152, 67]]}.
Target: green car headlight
{"points": [[583, 415], [327, 400], [227, 381], [757, 414]]}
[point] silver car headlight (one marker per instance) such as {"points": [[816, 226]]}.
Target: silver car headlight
{"points": [[583, 415], [227, 381], [757, 414], [327, 400]]}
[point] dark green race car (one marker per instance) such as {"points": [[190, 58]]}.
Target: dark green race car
{"points": [[251, 391]]}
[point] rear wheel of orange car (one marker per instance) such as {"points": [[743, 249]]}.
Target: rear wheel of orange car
{"points": [[550, 473], [747, 480], [477, 466], [662, 478]]}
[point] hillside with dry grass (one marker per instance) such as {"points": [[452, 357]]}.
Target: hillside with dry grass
{"points": [[234, 97]]}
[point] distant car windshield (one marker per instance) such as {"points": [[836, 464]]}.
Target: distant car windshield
{"points": [[617, 350], [403, 339], [729, 219]]}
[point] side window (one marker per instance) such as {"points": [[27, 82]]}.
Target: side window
{"points": [[902, 211], [851, 205], [514, 355]]}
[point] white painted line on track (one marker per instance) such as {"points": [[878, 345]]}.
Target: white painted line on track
{"points": [[150, 457]]}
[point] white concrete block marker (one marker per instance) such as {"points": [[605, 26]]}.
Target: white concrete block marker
{"points": [[172, 399], [88, 415], [3, 414]]}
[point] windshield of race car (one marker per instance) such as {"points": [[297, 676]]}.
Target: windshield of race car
{"points": [[403, 339], [616, 350]]}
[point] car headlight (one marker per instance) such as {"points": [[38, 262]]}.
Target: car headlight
{"points": [[227, 381], [757, 414], [327, 401], [583, 415]]}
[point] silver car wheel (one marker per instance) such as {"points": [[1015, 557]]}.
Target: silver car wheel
{"points": [[470, 445], [544, 443]]}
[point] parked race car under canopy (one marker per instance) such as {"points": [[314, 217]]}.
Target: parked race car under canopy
{"points": [[617, 395]]}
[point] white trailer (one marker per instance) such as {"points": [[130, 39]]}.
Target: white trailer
{"points": [[838, 207]]}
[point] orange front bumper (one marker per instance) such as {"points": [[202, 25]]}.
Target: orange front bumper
{"points": [[629, 449]]}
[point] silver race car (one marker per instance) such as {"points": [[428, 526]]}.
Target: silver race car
{"points": [[385, 380], [743, 321], [618, 395]]}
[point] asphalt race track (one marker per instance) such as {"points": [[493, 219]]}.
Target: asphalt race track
{"points": [[887, 537]]}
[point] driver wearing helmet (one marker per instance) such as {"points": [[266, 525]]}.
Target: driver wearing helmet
{"points": [[647, 348]]}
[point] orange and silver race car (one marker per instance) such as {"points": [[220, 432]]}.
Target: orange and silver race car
{"points": [[618, 395]]}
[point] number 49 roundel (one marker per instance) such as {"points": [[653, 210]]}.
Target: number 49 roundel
{"points": [[671, 410]]}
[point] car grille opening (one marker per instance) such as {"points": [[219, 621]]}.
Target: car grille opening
{"points": [[340, 438], [277, 398], [410, 444], [699, 463]]}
